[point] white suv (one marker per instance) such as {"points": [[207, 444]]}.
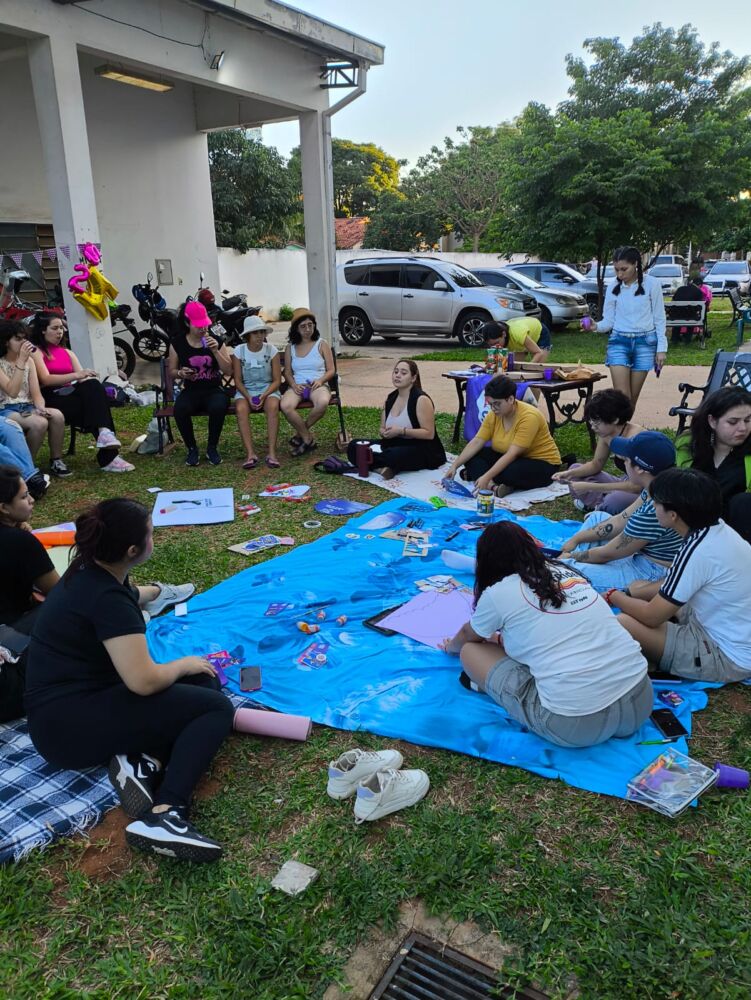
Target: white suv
{"points": [[425, 296]]}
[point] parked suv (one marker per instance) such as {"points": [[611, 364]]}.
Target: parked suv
{"points": [[727, 274], [425, 296], [562, 277], [557, 308]]}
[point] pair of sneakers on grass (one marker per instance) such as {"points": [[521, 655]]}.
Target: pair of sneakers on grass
{"points": [[375, 779]]}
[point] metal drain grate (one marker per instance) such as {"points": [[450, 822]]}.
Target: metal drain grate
{"points": [[424, 969]]}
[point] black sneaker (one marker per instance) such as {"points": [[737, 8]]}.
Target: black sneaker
{"points": [[213, 456], [38, 484], [134, 778], [170, 834], [192, 457], [466, 681], [59, 469]]}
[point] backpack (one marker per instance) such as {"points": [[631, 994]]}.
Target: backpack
{"points": [[334, 466]]}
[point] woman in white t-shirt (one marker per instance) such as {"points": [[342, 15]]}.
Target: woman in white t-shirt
{"points": [[559, 665], [257, 371]]}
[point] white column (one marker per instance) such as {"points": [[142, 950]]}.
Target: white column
{"points": [[65, 147], [318, 205]]}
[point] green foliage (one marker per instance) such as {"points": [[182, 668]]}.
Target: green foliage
{"points": [[362, 173], [736, 235], [285, 312], [462, 181], [254, 196], [402, 221]]}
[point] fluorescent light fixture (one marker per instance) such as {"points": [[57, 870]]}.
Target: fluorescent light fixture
{"points": [[133, 77], [217, 60]]}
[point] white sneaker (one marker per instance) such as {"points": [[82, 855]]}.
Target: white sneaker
{"points": [[118, 465], [387, 791], [167, 596], [107, 439], [579, 504], [354, 766]]}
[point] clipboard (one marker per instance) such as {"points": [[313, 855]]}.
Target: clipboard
{"points": [[373, 621]]}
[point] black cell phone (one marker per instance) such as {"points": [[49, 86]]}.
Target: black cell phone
{"points": [[250, 678], [663, 677], [668, 723]]}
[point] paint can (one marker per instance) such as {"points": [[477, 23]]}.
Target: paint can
{"points": [[485, 504]]}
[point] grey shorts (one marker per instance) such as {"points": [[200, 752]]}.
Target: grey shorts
{"points": [[689, 652], [513, 687]]}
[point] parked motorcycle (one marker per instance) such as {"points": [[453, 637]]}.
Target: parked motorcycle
{"points": [[152, 344], [231, 315]]}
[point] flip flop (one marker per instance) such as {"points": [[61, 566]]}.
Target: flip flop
{"points": [[272, 463], [250, 464]]}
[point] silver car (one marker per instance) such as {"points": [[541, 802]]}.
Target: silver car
{"points": [[557, 308], [423, 296], [727, 274], [562, 278], [670, 276]]}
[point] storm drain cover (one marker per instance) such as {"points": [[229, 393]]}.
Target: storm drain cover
{"points": [[424, 969]]}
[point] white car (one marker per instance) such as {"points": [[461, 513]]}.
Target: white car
{"points": [[727, 274], [670, 276]]}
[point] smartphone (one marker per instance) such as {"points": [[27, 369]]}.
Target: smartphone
{"points": [[250, 678], [668, 723], [662, 677]]}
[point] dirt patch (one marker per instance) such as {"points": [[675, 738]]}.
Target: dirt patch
{"points": [[738, 700], [107, 853]]}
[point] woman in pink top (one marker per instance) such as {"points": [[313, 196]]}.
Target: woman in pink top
{"points": [[75, 390]]}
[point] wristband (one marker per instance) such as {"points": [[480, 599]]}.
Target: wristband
{"points": [[608, 594]]}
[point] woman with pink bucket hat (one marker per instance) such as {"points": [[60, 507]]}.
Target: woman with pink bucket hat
{"points": [[200, 361], [308, 367]]}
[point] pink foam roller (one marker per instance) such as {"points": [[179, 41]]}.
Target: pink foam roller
{"points": [[288, 727]]}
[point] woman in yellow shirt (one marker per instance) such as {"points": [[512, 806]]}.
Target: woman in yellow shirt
{"points": [[519, 335], [522, 453]]}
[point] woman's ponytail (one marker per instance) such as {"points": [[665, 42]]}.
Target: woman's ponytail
{"points": [[106, 531]]}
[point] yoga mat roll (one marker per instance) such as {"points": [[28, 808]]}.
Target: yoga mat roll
{"points": [[49, 539], [288, 727]]}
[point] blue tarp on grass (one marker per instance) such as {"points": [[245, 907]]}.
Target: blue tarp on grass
{"points": [[391, 686]]}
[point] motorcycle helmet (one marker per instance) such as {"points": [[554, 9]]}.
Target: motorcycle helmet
{"points": [[206, 297]]}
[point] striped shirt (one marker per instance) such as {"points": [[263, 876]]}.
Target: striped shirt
{"points": [[663, 543], [710, 574]]}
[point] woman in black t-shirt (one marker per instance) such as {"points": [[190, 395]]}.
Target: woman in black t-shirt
{"points": [[719, 444], [200, 361], [95, 696], [24, 566]]}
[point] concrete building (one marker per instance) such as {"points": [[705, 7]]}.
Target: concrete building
{"points": [[107, 106]]}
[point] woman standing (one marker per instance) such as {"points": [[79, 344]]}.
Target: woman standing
{"points": [[522, 453], [634, 315], [308, 367], [75, 391], [200, 361], [94, 695], [408, 436], [719, 444], [561, 666], [257, 372], [21, 399]]}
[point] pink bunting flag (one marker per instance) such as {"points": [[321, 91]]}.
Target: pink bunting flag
{"points": [[17, 258], [66, 250], [37, 255], [51, 253]]}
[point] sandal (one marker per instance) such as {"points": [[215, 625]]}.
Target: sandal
{"points": [[250, 464], [304, 448], [272, 463]]}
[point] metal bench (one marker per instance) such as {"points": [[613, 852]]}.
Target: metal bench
{"points": [[728, 368], [690, 314]]}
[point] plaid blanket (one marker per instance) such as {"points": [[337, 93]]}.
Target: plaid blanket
{"points": [[39, 803]]}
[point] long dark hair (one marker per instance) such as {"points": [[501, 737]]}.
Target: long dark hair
{"points": [[106, 531], [295, 337], [504, 549], [632, 256], [413, 370], [10, 484], [9, 328], [39, 324], [715, 406]]}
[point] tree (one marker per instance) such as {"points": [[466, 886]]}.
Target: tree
{"points": [[254, 197], [362, 173], [736, 234], [461, 180], [402, 221]]}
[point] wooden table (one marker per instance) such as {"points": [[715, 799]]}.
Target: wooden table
{"points": [[568, 409]]}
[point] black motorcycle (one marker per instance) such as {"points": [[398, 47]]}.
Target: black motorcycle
{"points": [[152, 344], [231, 315]]}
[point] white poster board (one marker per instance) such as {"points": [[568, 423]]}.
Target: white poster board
{"points": [[193, 507]]}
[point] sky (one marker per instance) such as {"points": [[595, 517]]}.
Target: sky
{"points": [[479, 62]]}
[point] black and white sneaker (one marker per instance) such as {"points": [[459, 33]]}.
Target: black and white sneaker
{"points": [[134, 778], [171, 835]]}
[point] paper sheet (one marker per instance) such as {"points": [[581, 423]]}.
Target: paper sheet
{"points": [[431, 617]]}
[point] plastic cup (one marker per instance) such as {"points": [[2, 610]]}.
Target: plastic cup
{"points": [[586, 323], [731, 777], [255, 400], [288, 727], [548, 374]]}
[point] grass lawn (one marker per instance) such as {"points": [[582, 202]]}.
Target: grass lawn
{"points": [[596, 898], [574, 344]]}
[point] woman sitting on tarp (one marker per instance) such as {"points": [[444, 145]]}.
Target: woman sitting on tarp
{"points": [[94, 696], [522, 453], [719, 444], [560, 666], [408, 439]]}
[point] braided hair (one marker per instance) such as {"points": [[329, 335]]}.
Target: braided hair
{"points": [[632, 256]]}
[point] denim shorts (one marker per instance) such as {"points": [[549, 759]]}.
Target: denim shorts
{"points": [[546, 341], [632, 350], [22, 408]]}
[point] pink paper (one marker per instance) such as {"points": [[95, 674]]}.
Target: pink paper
{"points": [[431, 617]]}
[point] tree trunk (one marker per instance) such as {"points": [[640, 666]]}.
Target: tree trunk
{"points": [[475, 242]]}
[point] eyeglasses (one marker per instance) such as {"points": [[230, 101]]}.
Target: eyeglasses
{"points": [[495, 404]]}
